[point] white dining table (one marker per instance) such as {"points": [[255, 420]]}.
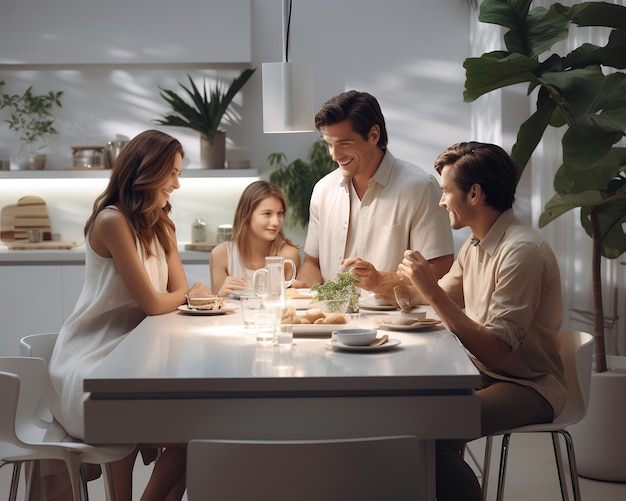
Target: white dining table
{"points": [[178, 377]]}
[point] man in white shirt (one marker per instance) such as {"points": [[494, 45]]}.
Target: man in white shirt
{"points": [[373, 207]]}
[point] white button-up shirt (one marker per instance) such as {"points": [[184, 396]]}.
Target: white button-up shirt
{"points": [[399, 211]]}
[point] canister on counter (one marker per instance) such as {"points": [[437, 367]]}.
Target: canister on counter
{"points": [[224, 232], [198, 231]]}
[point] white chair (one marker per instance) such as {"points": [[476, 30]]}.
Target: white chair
{"points": [[575, 349], [333, 470], [25, 437], [40, 346]]}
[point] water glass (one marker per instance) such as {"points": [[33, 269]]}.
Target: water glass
{"points": [[265, 327], [250, 306], [284, 335]]}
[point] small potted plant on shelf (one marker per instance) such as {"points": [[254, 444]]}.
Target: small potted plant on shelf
{"points": [[32, 119], [204, 114], [583, 92]]}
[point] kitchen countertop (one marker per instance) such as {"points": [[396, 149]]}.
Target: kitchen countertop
{"points": [[77, 256]]}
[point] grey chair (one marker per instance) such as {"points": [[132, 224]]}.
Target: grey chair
{"points": [[333, 470]]}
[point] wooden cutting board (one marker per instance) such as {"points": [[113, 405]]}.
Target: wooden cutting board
{"points": [[43, 245], [29, 213], [205, 247]]}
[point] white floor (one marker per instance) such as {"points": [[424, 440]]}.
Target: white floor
{"points": [[531, 474]]}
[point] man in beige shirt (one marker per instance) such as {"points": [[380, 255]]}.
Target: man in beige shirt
{"points": [[501, 298]]}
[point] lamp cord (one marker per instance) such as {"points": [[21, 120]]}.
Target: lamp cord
{"points": [[287, 35]]}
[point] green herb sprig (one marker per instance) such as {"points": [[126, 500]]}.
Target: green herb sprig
{"points": [[341, 287]]}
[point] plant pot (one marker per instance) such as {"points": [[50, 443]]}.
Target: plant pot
{"points": [[37, 162], [600, 438], [213, 156]]}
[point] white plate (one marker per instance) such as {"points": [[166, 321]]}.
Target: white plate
{"points": [[183, 308], [372, 304], [317, 329], [419, 325], [335, 345]]}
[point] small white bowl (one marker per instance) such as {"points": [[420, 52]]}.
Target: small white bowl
{"points": [[355, 337]]}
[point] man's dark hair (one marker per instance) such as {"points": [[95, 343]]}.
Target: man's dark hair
{"points": [[485, 164], [360, 108]]}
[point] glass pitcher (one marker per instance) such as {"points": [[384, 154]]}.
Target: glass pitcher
{"points": [[269, 283]]}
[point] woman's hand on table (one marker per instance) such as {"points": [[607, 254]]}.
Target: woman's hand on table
{"points": [[198, 290]]}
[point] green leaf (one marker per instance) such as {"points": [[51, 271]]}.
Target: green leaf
{"points": [[530, 32], [560, 204], [530, 133], [578, 178], [493, 71], [613, 54], [599, 14]]}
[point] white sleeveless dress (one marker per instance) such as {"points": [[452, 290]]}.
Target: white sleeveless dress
{"points": [[104, 313]]}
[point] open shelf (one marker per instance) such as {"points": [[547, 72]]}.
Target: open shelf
{"points": [[104, 173]]}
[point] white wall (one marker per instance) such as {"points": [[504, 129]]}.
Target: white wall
{"points": [[408, 53]]}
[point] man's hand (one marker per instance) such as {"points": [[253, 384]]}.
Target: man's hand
{"points": [[368, 277], [418, 271]]}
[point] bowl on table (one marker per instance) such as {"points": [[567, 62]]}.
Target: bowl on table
{"points": [[355, 337], [335, 305]]}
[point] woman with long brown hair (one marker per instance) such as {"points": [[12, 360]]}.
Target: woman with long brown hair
{"points": [[132, 269]]}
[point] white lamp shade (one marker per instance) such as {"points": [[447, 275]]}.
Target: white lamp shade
{"points": [[287, 97]]}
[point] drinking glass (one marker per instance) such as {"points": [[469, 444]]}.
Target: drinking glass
{"points": [[265, 325]]}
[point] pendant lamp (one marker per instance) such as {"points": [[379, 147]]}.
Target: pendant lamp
{"points": [[287, 90]]}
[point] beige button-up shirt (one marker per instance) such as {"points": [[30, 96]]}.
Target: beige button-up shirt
{"points": [[510, 282]]}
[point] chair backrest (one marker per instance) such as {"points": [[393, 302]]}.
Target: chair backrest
{"points": [[365, 469], [576, 349], [29, 376], [38, 345]]}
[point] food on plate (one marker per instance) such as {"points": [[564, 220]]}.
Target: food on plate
{"points": [[206, 303], [312, 316], [296, 294], [332, 318]]}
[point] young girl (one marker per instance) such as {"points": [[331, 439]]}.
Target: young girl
{"points": [[257, 232], [132, 269]]}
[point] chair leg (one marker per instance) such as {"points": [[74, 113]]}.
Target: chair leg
{"points": [[83, 484], [571, 458], [15, 481], [487, 465], [74, 471], [504, 452], [559, 464], [107, 478]]}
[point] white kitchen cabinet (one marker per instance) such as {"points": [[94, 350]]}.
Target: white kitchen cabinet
{"points": [[198, 273], [32, 303], [120, 32]]}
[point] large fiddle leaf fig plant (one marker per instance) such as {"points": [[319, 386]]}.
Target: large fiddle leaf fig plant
{"points": [[584, 92]]}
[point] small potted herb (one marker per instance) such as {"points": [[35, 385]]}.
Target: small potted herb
{"points": [[32, 119], [339, 289]]}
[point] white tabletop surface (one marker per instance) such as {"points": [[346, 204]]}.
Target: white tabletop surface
{"points": [[184, 353]]}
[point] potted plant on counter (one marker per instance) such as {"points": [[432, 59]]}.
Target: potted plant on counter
{"points": [[32, 119], [575, 92], [204, 114]]}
